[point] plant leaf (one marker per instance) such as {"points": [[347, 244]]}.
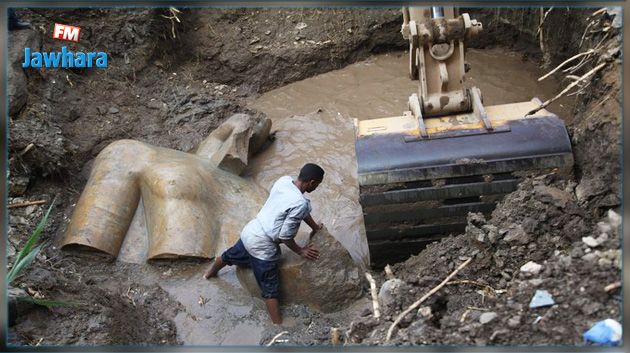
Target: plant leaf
{"points": [[27, 249], [24, 262]]}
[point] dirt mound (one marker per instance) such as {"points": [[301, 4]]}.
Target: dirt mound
{"points": [[102, 306], [554, 233], [540, 222]]}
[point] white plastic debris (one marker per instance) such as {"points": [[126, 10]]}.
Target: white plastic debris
{"points": [[541, 299], [606, 332]]}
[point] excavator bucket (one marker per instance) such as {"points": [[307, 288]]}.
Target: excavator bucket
{"points": [[416, 189], [421, 173]]}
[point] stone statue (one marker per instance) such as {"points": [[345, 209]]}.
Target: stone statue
{"points": [[182, 202], [145, 202]]}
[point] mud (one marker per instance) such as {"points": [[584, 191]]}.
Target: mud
{"points": [[160, 97], [317, 125]]}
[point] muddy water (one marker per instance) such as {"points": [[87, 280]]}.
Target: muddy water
{"points": [[313, 120]]}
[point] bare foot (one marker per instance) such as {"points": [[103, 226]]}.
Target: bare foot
{"points": [[209, 275]]}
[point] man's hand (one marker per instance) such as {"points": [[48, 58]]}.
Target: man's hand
{"points": [[309, 252]]}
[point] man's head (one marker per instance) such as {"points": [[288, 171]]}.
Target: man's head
{"points": [[311, 175]]}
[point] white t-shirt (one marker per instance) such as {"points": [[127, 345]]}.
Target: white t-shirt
{"points": [[279, 219]]}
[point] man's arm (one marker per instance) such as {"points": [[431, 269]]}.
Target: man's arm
{"points": [[314, 225], [308, 251]]}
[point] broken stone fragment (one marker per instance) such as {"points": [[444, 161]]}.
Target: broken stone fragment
{"points": [[232, 144], [390, 290], [514, 321], [614, 219], [18, 186], [555, 196], [517, 235], [487, 317], [17, 88], [541, 299], [531, 268], [595, 242], [18, 303], [327, 284], [360, 329]]}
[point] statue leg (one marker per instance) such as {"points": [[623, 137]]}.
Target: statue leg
{"points": [[108, 202], [178, 209]]}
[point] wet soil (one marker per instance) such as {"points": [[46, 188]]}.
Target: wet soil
{"points": [[161, 91], [322, 109]]}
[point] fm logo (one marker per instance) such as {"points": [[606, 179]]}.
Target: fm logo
{"points": [[66, 32]]}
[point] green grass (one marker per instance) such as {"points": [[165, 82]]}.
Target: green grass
{"points": [[29, 252], [27, 255]]}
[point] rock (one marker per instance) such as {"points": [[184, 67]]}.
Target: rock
{"points": [[17, 83], [541, 299], [10, 250], [531, 268], [301, 26], [155, 104], [18, 186], [232, 154], [492, 232], [113, 110], [577, 252], [17, 90], [591, 257], [389, 292], [16, 304], [604, 227], [41, 278], [564, 261], [591, 308], [30, 209], [360, 329], [514, 321], [590, 241], [18, 220], [555, 196], [529, 225], [487, 317], [425, 312], [517, 235], [614, 219], [327, 284], [609, 258]]}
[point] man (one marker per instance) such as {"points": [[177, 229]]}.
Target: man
{"points": [[277, 222]]}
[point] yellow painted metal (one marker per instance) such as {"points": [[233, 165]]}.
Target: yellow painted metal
{"points": [[499, 115]]}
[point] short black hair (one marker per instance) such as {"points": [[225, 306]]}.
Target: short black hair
{"points": [[310, 172]]}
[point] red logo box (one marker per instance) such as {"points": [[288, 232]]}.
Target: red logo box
{"points": [[66, 32]]}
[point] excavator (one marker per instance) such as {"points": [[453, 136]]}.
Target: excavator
{"points": [[421, 173]]}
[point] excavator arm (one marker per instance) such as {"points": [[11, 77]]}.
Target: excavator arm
{"points": [[421, 173]]}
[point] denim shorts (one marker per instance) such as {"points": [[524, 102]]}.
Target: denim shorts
{"points": [[266, 272]]}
